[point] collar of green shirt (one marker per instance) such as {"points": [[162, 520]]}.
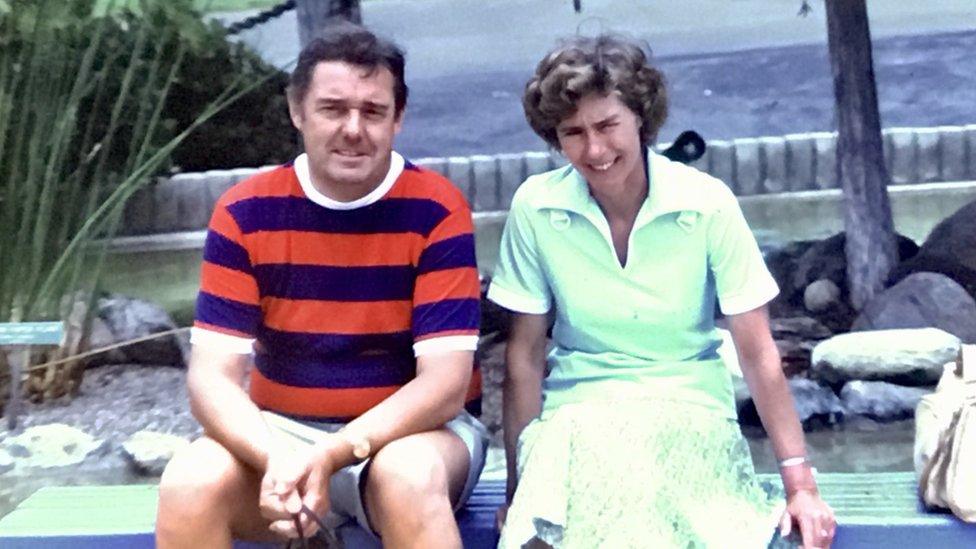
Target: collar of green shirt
{"points": [[667, 194]]}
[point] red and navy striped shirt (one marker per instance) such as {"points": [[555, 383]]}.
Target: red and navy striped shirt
{"points": [[340, 301]]}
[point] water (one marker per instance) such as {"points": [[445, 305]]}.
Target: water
{"points": [[858, 446]]}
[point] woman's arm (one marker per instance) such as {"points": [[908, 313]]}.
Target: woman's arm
{"points": [[525, 359], [763, 372]]}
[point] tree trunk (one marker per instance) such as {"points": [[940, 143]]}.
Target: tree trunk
{"points": [[871, 249], [314, 15]]}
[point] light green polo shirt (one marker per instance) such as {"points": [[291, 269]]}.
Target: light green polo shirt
{"points": [[646, 329]]}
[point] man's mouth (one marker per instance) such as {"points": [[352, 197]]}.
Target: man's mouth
{"points": [[602, 167], [348, 153]]}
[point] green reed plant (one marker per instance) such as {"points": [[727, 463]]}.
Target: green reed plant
{"points": [[82, 127]]}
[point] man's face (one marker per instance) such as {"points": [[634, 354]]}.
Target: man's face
{"points": [[347, 120]]}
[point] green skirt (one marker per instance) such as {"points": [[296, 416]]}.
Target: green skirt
{"points": [[642, 473]]}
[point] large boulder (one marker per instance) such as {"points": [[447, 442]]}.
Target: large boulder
{"points": [[922, 300], [880, 400], [906, 357], [955, 237], [927, 263], [119, 319]]}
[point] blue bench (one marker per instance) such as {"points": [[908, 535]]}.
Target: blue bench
{"points": [[873, 510]]}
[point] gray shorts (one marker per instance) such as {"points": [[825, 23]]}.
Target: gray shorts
{"points": [[347, 484]]}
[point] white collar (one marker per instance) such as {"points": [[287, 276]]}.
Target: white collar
{"points": [[313, 194]]}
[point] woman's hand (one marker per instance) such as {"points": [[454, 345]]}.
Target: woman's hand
{"points": [[812, 515]]}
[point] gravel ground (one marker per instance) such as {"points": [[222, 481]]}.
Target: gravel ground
{"points": [[115, 402]]}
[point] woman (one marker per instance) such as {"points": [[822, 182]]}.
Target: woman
{"points": [[626, 435]]}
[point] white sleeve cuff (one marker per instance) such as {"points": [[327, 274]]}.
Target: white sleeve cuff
{"points": [[218, 341], [517, 302], [741, 303], [445, 344]]}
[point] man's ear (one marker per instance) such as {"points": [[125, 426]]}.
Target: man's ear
{"points": [[294, 109], [398, 121]]}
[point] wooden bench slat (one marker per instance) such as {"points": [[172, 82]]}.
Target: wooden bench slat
{"points": [[878, 509]]}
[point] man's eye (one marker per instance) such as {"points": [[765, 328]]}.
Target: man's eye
{"points": [[373, 114]]}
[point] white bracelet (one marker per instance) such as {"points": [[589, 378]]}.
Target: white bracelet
{"points": [[793, 461]]}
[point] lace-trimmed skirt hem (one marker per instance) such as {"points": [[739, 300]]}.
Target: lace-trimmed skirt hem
{"points": [[645, 473]]}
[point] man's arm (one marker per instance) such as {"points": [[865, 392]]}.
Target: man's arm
{"points": [[218, 401], [763, 372], [428, 401], [525, 359]]}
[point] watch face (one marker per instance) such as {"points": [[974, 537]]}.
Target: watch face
{"points": [[360, 448]]}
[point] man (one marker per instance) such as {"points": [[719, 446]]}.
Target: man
{"points": [[350, 277]]}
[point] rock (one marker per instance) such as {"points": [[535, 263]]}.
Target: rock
{"points": [[880, 400], [125, 319], [6, 461], [814, 401], [794, 355], [815, 404], [148, 452], [799, 327], [907, 357], [925, 263], [795, 338], [955, 238], [821, 295], [781, 262], [52, 445], [827, 259], [922, 300]]}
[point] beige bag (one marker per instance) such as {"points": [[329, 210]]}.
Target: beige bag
{"points": [[945, 439]]}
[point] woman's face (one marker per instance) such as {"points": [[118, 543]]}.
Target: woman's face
{"points": [[602, 140]]}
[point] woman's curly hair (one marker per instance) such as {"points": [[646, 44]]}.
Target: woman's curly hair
{"points": [[604, 64]]}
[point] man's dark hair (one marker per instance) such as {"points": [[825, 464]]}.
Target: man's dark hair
{"points": [[353, 44]]}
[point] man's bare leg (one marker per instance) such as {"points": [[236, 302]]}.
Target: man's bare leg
{"points": [[412, 486], [207, 498]]}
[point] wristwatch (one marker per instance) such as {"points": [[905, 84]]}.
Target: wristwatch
{"points": [[361, 448]]}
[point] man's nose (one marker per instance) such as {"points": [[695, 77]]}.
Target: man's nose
{"points": [[353, 124]]}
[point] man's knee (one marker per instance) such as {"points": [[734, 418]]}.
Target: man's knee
{"points": [[199, 480], [413, 476], [409, 467]]}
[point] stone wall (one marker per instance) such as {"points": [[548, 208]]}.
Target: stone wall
{"points": [[753, 166]]}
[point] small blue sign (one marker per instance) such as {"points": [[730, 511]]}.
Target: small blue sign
{"points": [[31, 333]]}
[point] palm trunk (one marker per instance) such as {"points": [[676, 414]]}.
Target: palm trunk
{"points": [[314, 15], [871, 248]]}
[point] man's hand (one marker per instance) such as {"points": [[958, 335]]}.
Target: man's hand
{"points": [[813, 516], [293, 479]]}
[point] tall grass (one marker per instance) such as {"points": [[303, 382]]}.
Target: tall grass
{"points": [[80, 126]]}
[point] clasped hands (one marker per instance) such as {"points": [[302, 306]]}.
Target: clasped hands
{"points": [[295, 489]]}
